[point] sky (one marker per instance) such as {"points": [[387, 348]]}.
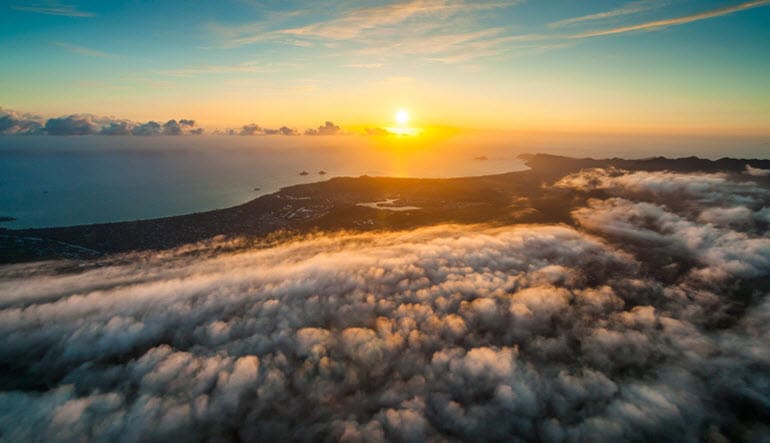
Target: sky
{"points": [[662, 66]]}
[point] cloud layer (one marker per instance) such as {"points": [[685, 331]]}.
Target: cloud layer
{"points": [[15, 123], [454, 31], [328, 128], [649, 321]]}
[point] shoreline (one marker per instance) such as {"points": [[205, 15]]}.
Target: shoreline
{"points": [[335, 204]]}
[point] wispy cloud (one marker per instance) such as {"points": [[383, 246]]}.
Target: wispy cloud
{"points": [[664, 23], [146, 82], [627, 9], [63, 10], [364, 65], [82, 50], [468, 43], [367, 25], [443, 31], [248, 67], [357, 22]]}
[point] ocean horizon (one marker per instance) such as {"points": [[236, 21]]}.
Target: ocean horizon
{"points": [[50, 181]]}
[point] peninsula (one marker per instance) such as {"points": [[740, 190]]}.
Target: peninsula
{"points": [[342, 203]]}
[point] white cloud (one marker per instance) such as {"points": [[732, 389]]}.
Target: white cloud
{"points": [[63, 10], [82, 50], [446, 332], [675, 21], [630, 8]]}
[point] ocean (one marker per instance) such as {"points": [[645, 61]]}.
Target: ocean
{"points": [[61, 181]]}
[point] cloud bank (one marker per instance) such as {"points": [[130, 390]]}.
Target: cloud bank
{"points": [[646, 321], [12, 122], [328, 128], [15, 123]]}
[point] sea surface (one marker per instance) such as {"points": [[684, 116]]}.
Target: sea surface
{"points": [[62, 181]]}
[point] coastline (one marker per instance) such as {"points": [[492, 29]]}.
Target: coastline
{"points": [[335, 204]]}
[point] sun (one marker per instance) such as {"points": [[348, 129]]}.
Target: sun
{"points": [[402, 126], [402, 117]]}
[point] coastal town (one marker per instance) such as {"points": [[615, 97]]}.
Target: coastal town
{"points": [[352, 203]]}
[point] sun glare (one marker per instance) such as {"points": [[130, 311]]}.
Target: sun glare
{"points": [[402, 117]]}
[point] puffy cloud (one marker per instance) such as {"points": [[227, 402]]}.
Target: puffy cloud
{"points": [[149, 128], [377, 131], [717, 198], [660, 186], [739, 217], [255, 129], [710, 251], [13, 123], [252, 129], [117, 128], [328, 128], [71, 125], [757, 172], [172, 127], [18, 123], [182, 127], [644, 322], [283, 130]]}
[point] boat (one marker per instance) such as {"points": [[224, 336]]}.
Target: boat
{"points": [[304, 173]]}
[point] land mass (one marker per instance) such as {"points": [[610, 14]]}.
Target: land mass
{"points": [[348, 203]]}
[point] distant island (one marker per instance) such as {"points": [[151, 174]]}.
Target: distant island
{"points": [[343, 203], [7, 219]]}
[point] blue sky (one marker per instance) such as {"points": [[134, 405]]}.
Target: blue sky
{"points": [[615, 65]]}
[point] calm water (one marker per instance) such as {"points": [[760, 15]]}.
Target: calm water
{"points": [[60, 181]]}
